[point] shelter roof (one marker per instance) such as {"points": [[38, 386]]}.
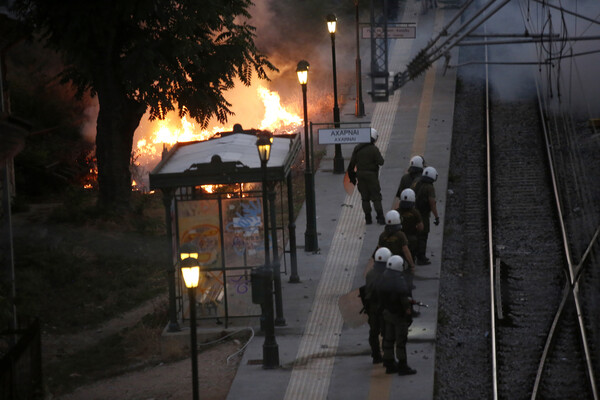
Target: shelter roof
{"points": [[230, 158]]}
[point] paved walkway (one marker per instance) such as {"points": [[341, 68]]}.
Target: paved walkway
{"points": [[322, 357]]}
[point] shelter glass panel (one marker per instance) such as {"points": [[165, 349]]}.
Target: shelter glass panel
{"points": [[239, 294], [198, 223], [243, 232]]}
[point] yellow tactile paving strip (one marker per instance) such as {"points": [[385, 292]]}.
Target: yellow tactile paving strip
{"points": [[316, 354]]}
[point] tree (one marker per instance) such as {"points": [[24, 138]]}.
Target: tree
{"points": [[139, 55]]}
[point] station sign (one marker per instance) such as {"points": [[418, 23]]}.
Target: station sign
{"points": [[344, 135], [393, 32]]}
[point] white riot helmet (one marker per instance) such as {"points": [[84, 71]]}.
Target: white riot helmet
{"points": [[395, 263], [417, 162], [392, 218], [430, 172], [374, 135], [408, 195], [407, 199], [382, 254]]}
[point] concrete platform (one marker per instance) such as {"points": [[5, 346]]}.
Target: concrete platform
{"points": [[321, 356]]}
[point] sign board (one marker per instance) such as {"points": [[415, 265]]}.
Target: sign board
{"points": [[393, 32], [344, 135]]}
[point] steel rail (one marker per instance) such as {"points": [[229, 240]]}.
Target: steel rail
{"points": [[571, 287], [573, 273], [489, 219], [586, 253]]}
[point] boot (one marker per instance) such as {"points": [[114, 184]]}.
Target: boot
{"points": [[406, 370], [380, 219], [368, 219], [390, 367], [377, 359]]}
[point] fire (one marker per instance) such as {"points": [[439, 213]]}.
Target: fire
{"points": [[169, 132], [230, 189], [276, 117], [165, 133]]}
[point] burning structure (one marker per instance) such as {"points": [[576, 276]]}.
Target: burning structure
{"points": [[211, 193]]}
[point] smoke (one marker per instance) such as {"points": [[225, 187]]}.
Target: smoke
{"points": [[289, 31], [572, 80], [568, 82]]}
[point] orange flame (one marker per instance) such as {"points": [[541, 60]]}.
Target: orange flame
{"points": [[148, 148], [276, 117]]}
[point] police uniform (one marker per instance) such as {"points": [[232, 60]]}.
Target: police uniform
{"points": [[394, 239], [411, 217], [424, 191], [394, 294], [367, 159], [407, 179], [374, 309]]}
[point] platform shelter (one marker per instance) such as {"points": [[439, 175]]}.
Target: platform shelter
{"points": [[212, 195]]}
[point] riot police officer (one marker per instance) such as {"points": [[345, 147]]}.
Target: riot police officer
{"points": [[394, 293], [412, 222], [394, 239], [366, 159], [426, 204], [415, 170], [372, 302]]}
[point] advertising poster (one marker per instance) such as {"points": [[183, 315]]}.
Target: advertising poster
{"points": [[243, 247], [243, 234], [199, 224]]}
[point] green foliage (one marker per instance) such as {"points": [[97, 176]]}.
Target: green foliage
{"points": [[75, 285], [129, 349], [138, 55], [55, 154], [162, 54], [76, 207]]}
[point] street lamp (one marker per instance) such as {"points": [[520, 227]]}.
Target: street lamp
{"points": [[359, 109], [263, 144], [190, 269], [275, 266], [338, 159], [310, 235], [270, 347]]}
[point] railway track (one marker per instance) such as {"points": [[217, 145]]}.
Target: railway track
{"points": [[532, 331], [537, 340]]}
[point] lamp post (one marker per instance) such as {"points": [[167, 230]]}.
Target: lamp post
{"points": [[190, 269], [310, 235], [263, 144], [275, 266], [338, 159], [270, 347], [359, 109]]}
